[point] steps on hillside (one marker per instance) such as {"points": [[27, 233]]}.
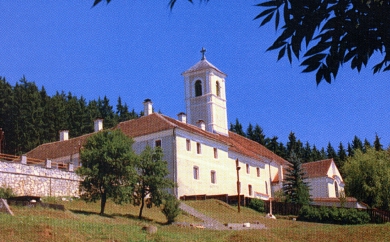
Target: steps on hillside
{"points": [[207, 221]]}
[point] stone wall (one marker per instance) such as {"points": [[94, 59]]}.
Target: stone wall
{"points": [[36, 180]]}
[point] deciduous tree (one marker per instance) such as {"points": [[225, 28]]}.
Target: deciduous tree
{"points": [[151, 179], [108, 168], [367, 177], [333, 32]]}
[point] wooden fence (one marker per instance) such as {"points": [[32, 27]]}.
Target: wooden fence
{"points": [[32, 161]]}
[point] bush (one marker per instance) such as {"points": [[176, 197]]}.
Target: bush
{"points": [[257, 204], [333, 215], [6, 192], [171, 208], [310, 214]]}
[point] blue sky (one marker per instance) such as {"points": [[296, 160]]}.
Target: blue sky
{"points": [[138, 50]]}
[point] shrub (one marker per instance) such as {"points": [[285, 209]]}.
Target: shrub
{"points": [[171, 208], [333, 215], [6, 192], [257, 204], [310, 214]]}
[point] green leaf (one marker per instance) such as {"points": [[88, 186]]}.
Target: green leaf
{"points": [[277, 20], [319, 75], [296, 45], [265, 12], [377, 68], [321, 46], [281, 53], [313, 59], [327, 77], [289, 53], [276, 45], [387, 68], [312, 67], [267, 4], [267, 19], [349, 55]]}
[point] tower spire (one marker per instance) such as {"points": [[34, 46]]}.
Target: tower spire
{"points": [[203, 51]]}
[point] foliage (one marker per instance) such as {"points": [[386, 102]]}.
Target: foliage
{"points": [[29, 117], [107, 167], [171, 208], [367, 177], [294, 186], [279, 196], [151, 179], [333, 215], [6, 192], [257, 204], [334, 33]]}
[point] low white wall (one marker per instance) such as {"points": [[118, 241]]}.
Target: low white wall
{"points": [[38, 181]]}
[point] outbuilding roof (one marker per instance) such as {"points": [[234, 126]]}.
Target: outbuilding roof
{"points": [[317, 168]]}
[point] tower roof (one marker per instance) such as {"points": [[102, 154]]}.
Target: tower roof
{"points": [[203, 64]]}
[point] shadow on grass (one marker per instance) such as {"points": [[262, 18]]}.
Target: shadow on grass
{"points": [[91, 213], [131, 216], [128, 216]]}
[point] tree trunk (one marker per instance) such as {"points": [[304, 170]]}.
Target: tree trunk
{"points": [[103, 203], [142, 207]]}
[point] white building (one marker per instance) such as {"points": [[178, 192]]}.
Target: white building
{"points": [[200, 151]]}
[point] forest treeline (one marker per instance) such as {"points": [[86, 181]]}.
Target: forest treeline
{"points": [[30, 117], [305, 151]]}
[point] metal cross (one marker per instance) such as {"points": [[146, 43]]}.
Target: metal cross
{"points": [[203, 51]]}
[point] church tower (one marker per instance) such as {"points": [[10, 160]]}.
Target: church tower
{"points": [[205, 96]]}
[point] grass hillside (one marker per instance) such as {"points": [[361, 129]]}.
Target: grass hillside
{"points": [[81, 222]]}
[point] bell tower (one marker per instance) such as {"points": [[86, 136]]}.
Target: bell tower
{"points": [[205, 96]]}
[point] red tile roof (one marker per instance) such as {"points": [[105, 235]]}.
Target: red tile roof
{"points": [[317, 168], [155, 123], [58, 149]]}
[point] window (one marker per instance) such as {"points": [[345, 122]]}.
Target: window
{"points": [[336, 188], [250, 190], [157, 143], [266, 187], [258, 171], [196, 172], [248, 170], [213, 177], [215, 153], [198, 148], [198, 88], [188, 145], [218, 89]]}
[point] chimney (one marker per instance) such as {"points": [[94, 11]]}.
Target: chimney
{"points": [[148, 107], [64, 135], [182, 117], [201, 124], [98, 125]]}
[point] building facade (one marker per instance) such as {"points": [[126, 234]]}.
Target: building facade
{"points": [[200, 150]]}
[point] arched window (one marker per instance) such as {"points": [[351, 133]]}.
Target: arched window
{"points": [[218, 88], [198, 88]]}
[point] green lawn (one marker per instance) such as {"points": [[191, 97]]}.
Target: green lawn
{"points": [[80, 222]]}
